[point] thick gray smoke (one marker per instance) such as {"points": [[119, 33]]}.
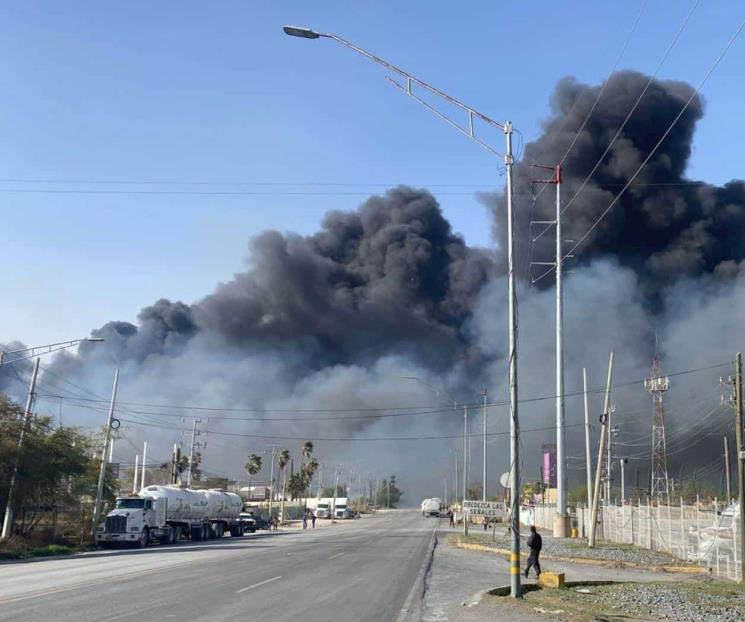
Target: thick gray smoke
{"points": [[336, 321]]}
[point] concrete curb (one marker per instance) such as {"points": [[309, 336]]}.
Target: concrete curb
{"points": [[412, 609], [590, 562]]}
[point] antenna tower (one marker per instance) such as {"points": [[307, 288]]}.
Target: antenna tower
{"points": [[657, 385]]}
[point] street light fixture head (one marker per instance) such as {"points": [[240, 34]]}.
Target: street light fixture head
{"points": [[305, 33]]}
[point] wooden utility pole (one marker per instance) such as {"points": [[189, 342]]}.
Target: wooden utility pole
{"points": [[603, 436]]}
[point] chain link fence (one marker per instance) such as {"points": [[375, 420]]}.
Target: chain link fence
{"points": [[706, 533]]}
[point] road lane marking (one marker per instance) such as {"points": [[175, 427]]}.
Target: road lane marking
{"points": [[337, 555], [250, 587]]}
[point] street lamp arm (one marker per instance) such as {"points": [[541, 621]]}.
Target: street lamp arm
{"points": [[472, 113], [28, 353], [468, 133]]}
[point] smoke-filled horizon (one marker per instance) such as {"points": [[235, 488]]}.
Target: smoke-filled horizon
{"points": [[339, 321]]}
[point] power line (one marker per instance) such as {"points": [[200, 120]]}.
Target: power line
{"points": [[368, 413], [357, 439], [636, 104], [661, 140]]}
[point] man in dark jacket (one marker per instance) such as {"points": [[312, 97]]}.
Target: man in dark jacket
{"points": [[535, 544]]}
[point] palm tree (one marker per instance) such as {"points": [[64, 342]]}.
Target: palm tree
{"points": [[306, 449], [253, 466], [282, 462]]}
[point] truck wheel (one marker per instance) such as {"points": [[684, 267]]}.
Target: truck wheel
{"points": [[205, 532], [234, 531], [177, 535], [144, 538], [197, 532]]}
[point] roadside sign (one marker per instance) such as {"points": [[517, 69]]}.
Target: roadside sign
{"points": [[489, 509]]}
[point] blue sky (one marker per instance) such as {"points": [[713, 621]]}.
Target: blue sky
{"points": [[213, 91]]}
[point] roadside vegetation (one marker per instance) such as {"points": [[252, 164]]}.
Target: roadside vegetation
{"points": [[55, 484]]}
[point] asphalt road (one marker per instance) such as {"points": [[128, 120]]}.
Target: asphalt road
{"points": [[361, 570]]}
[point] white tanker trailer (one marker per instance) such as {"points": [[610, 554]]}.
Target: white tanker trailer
{"points": [[169, 513]]}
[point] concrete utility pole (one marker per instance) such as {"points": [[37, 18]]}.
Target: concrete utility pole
{"points": [[144, 464], [271, 483], [336, 486], [483, 476], [588, 457], [135, 474], [465, 453], [561, 521], [727, 477], [8, 518], [623, 462], [603, 436], [740, 458], [410, 82], [102, 472], [194, 433]]}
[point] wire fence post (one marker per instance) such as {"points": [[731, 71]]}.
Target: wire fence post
{"points": [[734, 544], [683, 546], [698, 528], [716, 535], [649, 518], [669, 529]]}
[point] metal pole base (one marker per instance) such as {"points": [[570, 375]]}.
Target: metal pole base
{"points": [[561, 526]]}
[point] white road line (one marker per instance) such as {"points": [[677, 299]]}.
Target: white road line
{"points": [[337, 555], [250, 587]]}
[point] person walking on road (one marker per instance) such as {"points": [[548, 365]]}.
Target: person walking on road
{"points": [[305, 520], [313, 520], [452, 518], [535, 544]]}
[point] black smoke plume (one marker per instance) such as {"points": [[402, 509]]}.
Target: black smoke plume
{"points": [[665, 226], [332, 321]]}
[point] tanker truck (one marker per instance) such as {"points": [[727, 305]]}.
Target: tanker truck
{"points": [[166, 514]]}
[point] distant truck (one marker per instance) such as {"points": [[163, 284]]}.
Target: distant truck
{"points": [[341, 508], [328, 507], [323, 507], [167, 514], [431, 507]]}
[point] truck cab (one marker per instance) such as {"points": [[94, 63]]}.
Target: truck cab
{"points": [[323, 508], [341, 509], [132, 520]]}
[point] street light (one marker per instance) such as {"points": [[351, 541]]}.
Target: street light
{"points": [[48, 349], [304, 33], [468, 131]]}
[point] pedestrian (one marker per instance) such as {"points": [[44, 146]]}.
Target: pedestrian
{"points": [[275, 523], [535, 544], [305, 520], [486, 523], [452, 518], [313, 520]]}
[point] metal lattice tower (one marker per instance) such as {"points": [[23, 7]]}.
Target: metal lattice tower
{"points": [[657, 385]]}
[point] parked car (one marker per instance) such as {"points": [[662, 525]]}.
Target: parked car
{"points": [[261, 523], [248, 521]]}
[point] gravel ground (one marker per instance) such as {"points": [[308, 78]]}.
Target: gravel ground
{"points": [[703, 601], [578, 549]]}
